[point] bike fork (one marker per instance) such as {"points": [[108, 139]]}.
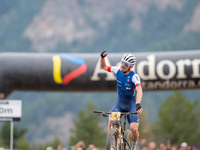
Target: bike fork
{"points": [[126, 142]]}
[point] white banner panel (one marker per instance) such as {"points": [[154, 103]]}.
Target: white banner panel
{"points": [[10, 108]]}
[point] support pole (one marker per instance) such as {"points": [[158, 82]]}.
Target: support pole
{"points": [[11, 134]]}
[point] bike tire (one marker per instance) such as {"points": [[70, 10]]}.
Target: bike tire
{"points": [[112, 143], [127, 136]]}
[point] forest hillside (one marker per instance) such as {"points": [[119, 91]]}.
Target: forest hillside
{"points": [[91, 26]]}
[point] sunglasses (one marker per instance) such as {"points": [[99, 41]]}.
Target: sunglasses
{"points": [[125, 64]]}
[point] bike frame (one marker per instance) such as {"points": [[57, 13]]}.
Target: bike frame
{"points": [[116, 123], [121, 130]]}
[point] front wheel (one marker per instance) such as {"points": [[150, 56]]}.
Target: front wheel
{"points": [[127, 136], [112, 139]]}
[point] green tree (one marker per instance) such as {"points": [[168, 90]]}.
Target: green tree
{"points": [[53, 144], [5, 134], [178, 120], [145, 126], [88, 128], [22, 143], [2, 143]]}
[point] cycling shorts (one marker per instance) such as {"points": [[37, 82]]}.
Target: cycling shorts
{"points": [[123, 106]]}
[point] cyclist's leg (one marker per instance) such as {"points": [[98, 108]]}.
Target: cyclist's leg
{"points": [[115, 108], [135, 134], [109, 124], [134, 124], [134, 129]]}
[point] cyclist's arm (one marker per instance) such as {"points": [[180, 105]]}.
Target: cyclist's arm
{"points": [[104, 66], [136, 80], [139, 94], [103, 62]]}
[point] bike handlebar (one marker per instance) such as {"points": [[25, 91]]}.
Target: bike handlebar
{"points": [[98, 111], [122, 113]]}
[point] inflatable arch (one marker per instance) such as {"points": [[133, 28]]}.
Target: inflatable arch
{"points": [[81, 71]]}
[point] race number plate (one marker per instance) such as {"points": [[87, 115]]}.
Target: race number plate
{"points": [[115, 115]]}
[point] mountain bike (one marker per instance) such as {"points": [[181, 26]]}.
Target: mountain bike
{"points": [[118, 137]]}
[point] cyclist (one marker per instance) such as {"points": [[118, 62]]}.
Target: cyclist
{"points": [[129, 92]]}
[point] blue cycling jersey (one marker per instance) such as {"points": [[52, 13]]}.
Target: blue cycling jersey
{"points": [[126, 88]]}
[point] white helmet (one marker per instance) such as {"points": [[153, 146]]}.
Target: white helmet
{"points": [[129, 59]]}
